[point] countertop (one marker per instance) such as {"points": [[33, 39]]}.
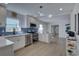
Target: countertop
{"points": [[5, 42], [16, 35]]}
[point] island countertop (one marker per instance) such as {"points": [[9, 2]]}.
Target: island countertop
{"points": [[5, 42]]}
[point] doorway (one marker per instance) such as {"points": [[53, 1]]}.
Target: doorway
{"points": [[55, 30], [54, 33]]}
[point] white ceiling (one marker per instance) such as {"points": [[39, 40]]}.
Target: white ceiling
{"points": [[48, 8]]}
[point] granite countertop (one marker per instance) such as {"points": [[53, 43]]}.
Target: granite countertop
{"points": [[5, 42]]}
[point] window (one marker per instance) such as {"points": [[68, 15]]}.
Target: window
{"points": [[12, 23]]}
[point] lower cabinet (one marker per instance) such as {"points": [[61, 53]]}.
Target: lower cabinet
{"points": [[77, 48], [7, 51], [44, 38], [19, 41]]}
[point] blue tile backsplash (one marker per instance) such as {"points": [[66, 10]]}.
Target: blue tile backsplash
{"points": [[29, 30], [24, 30], [2, 30]]}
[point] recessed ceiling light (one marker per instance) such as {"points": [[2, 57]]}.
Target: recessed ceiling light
{"points": [[50, 15], [60, 9], [41, 14]]}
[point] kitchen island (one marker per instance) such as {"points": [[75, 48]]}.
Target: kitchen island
{"points": [[6, 47], [20, 40]]}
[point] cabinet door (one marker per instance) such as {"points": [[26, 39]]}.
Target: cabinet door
{"points": [[19, 41], [7, 51], [77, 37], [13, 39], [78, 48]]}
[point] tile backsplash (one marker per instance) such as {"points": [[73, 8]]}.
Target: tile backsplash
{"points": [[2, 30], [23, 30], [29, 30]]}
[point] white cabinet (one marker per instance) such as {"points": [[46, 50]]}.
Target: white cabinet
{"points": [[6, 47], [7, 51], [77, 37], [71, 46], [19, 41], [44, 37], [78, 49]]}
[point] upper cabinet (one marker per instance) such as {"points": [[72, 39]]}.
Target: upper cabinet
{"points": [[32, 19], [2, 15]]}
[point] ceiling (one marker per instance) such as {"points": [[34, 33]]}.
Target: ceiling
{"points": [[48, 8]]}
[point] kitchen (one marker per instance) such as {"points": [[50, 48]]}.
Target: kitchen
{"points": [[21, 30], [26, 29]]}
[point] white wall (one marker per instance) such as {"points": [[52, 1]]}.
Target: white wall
{"points": [[72, 21], [61, 21], [75, 11]]}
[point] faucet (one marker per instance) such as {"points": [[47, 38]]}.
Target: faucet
{"points": [[14, 31]]}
